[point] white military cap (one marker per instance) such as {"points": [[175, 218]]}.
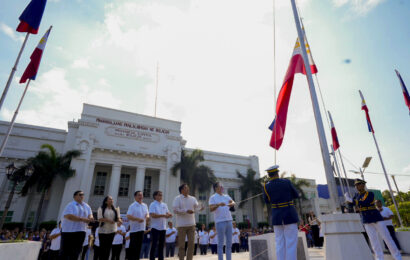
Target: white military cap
{"points": [[272, 169]]}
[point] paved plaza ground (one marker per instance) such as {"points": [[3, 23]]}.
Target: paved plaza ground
{"points": [[315, 254]]}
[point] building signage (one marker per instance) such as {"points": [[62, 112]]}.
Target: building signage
{"points": [[133, 126], [132, 134]]}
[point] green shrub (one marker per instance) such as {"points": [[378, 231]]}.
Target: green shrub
{"points": [[48, 225], [263, 224], [243, 225], [13, 225], [404, 209]]}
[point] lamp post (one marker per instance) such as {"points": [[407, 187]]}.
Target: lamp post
{"points": [[363, 168], [16, 177]]}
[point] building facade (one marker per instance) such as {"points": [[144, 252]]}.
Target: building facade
{"points": [[122, 152]]}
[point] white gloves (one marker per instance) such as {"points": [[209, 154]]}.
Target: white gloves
{"points": [[348, 198]]}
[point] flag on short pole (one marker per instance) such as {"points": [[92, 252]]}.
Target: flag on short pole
{"points": [[404, 89], [32, 68], [31, 17], [335, 140], [295, 66], [366, 110]]}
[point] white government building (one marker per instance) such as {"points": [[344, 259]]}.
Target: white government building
{"points": [[121, 152]]}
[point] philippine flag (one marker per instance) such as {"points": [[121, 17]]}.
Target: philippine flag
{"points": [[31, 17], [404, 89], [296, 65], [335, 140], [32, 68], [366, 110]]}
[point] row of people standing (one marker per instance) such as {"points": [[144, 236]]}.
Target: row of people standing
{"points": [[77, 215]]}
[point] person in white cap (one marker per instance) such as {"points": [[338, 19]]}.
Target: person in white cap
{"points": [[279, 194]]}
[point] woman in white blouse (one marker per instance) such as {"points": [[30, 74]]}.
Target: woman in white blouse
{"points": [[108, 216]]}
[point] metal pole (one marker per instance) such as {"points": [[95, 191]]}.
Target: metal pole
{"points": [[156, 91], [397, 188], [361, 173], [388, 182], [344, 171], [13, 70], [8, 203], [337, 170], [319, 123], [3, 145]]}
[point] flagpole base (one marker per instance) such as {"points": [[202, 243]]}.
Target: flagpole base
{"points": [[344, 238]]}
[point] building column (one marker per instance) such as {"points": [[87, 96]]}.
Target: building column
{"points": [[114, 182], [139, 180], [162, 182], [87, 181]]}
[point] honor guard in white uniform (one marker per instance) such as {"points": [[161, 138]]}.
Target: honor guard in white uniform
{"points": [[279, 194], [372, 220]]}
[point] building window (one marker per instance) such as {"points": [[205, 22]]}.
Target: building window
{"points": [[9, 216], [30, 219], [245, 218], [202, 219], [100, 181], [124, 185], [202, 195], [231, 193], [147, 186]]}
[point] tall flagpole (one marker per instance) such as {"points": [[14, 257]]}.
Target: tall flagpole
{"points": [[3, 145], [156, 91], [337, 169], [387, 180], [13, 70], [335, 206], [344, 171]]}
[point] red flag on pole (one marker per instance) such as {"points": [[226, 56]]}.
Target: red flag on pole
{"points": [[296, 65], [32, 68], [335, 140]]}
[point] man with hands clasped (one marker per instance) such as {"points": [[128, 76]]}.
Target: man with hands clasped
{"points": [[220, 204]]}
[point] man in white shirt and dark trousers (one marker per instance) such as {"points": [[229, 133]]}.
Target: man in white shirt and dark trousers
{"points": [[184, 207], [235, 238], [137, 215], [159, 214], [55, 237], [387, 215], [219, 204], [170, 238], [117, 242], [76, 216]]}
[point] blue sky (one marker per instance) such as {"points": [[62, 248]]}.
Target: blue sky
{"points": [[216, 73]]}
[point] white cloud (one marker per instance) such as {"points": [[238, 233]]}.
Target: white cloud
{"points": [[54, 100], [10, 32], [81, 63], [360, 7], [406, 170]]}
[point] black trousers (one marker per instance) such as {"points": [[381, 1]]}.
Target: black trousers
{"points": [[71, 245], [105, 245], [53, 254], [203, 249], [158, 239], [135, 245], [393, 235], [116, 252], [195, 248], [235, 247], [84, 252], [214, 248], [96, 253]]}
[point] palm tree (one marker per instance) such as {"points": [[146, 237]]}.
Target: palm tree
{"points": [[251, 186], [47, 166], [194, 174], [298, 184]]}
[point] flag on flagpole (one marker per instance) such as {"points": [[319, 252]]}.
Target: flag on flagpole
{"points": [[31, 17], [295, 66], [32, 68], [366, 110], [404, 89], [335, 140]]}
